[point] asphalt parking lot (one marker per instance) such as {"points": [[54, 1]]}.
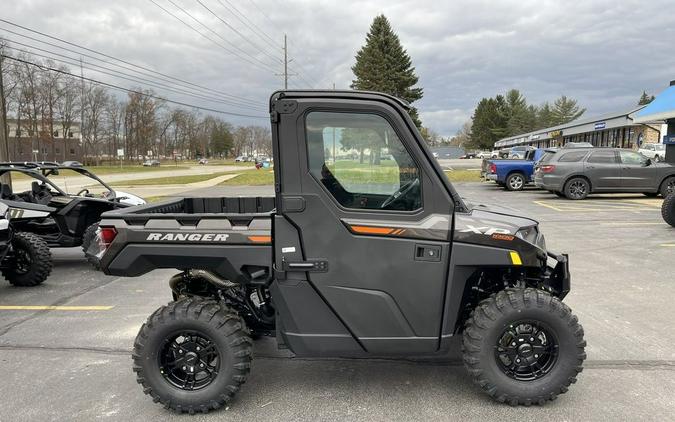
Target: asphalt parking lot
{"points": [[71, 359]]}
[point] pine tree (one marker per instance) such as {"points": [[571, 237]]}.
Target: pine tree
{"points": [[544, 116], [565, 110], [645, 98], [489, 123], [383, 65]]}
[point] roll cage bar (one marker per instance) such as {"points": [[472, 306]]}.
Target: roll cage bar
{"points": [[41, 170]]}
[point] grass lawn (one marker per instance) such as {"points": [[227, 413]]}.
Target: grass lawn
{"points": [[173, 180], [252, 178], [463, 175]]}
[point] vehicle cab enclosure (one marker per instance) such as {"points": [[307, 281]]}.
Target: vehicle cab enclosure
{"points": [[373, 255]]}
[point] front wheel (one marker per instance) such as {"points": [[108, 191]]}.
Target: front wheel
{"points": [[30, 262], [523, 346], [192, 355]]}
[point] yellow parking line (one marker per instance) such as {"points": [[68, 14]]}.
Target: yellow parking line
{"points": [[543, 204], [668, 245], [53, 308]]}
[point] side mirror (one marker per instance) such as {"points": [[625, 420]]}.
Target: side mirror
{"points": [[648, 162]]}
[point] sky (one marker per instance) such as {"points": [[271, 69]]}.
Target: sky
{"points": [[602, 53]]}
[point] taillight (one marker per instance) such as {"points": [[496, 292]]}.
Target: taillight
{"points": [[493, 168], [106, 235], [547, 168]]}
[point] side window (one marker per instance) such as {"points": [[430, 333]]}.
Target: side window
{"points": [[572, 157], [606, 157], [361, 161], [630, 157]]}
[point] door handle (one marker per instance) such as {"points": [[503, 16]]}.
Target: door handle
{"points": [[430, 253]]}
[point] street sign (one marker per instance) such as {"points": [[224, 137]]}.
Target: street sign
{"points": [[120, 152]]}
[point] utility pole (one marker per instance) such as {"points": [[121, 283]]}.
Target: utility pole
{"points": [[82, 140], [4, 136], [285, 63]]}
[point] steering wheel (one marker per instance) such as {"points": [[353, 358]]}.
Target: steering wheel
{"points": [[84, 191], [402, 191]]}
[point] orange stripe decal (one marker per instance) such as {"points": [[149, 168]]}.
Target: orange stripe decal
{"points": [[260, 239], [371, 230]]}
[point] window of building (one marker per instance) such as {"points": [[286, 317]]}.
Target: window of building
{"points": [[58, 150], [571, 157], [56, 133], [72, 151], [602, 157], [361, 161], [70, 134], [18, 133]]}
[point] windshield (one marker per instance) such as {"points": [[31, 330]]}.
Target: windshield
{"points": [[73, 182]]}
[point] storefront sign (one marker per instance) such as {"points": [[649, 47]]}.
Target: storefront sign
{"points": [[600, 125], [555, 133], [669, 141]]}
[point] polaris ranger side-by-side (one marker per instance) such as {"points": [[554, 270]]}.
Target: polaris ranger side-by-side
{"points": [[356, 255]]}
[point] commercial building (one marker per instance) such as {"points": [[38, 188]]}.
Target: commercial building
{"points": [[611, 130], [55, 144]]}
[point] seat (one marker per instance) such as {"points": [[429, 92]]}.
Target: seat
{"points": [[39, 193], [6, 192]]}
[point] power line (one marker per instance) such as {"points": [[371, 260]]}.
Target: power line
{"points": [[173, 78], [246, 56], [113, 86], [237, 32], [255, 28], [126, 76]]}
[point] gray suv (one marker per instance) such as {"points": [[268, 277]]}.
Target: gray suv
{"points": [[576, 172]]}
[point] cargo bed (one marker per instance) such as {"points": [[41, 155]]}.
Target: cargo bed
{"points": [[230, 236]]}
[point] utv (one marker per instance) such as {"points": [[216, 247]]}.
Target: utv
{"points": [[354, 256], [24, 257], [668, 209], [59, 218]]}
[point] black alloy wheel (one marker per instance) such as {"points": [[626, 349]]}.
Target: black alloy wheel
{"points": [[526, 350], [577, 188], [189, 361], [668, 186]]}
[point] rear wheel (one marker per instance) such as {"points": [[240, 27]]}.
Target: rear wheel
{"points": [[515, 181], [577, 188], [88, 239], [31, 261], [523, 346], [192, 355], [667, 186], [668, 209]]}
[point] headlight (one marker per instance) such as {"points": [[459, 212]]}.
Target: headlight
{"points": [[529, 234]]}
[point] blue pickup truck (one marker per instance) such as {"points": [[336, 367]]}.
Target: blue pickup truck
{"points": [[514, 174]]}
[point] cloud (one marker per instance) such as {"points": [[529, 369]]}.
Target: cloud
{"points": [[601, 52]]}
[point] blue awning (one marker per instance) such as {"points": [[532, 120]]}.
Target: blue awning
{"points": [[662, 108]]}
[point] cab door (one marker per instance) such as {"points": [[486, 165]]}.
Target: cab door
{"points": [[374, 223]]}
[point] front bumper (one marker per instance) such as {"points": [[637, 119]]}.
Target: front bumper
{"points": [[558, 274]]}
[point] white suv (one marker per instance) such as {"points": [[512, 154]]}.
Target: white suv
{"points": [[656, 152]]}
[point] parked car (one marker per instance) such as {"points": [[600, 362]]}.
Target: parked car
{"points": [[514, 174], [656, 152], [577, 172], [578, 145], [484, 154], [519, 152], [241, 159], [151, 163], [203, 161]]}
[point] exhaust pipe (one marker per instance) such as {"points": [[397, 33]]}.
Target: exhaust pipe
{"points": [[208, 276]]}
